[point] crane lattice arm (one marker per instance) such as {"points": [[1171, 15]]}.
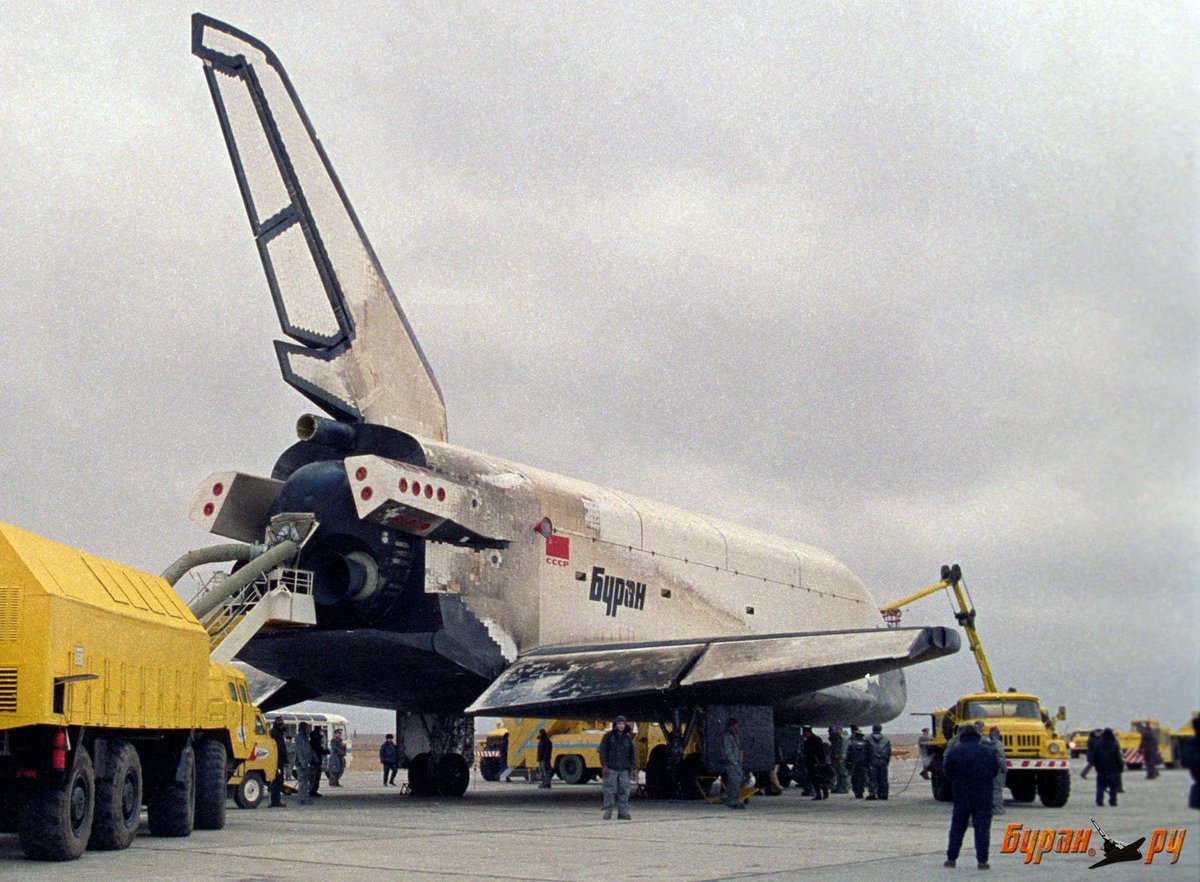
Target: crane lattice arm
{"points": [[965, 616]]}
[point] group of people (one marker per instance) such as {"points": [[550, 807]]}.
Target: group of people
{"points": [[843, 763], [307, 751]]}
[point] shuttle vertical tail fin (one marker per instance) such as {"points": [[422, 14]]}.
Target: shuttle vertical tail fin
{"points": [[354, 353]]}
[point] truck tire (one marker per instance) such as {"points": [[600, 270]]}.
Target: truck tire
{"points": [[170, 805], [453, 775], [943, 790], [1023, 786], [490, 768], [248, 794], [572, 769], [118, 799], [1054, 788], [212, 784], [55, 822]]}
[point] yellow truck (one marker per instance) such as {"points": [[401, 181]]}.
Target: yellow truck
{"points": [[108, 702], [1037, 758]]}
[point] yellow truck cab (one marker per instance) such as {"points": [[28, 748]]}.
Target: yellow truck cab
{"points": [[108, 702], [1034, 753]]}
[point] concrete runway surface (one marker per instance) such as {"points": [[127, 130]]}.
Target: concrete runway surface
{"points": [[505, 831]]}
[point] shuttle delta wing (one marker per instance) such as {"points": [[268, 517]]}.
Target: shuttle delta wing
{"points": [[599, 681], [354, 353]]}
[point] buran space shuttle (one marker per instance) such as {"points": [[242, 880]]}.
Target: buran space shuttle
{"points": [[450, 583]]}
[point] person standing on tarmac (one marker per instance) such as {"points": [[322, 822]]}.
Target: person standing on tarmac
{"points": [[859, 759], [996, 743], [304, 764], [816, 761], [279, 736], [389, 758], [319, 752], [544, 752], [731, 755], [1150, 756], [337, 758], [1093, 740], [837, 754], [618, 759], [879, 749], [1109, 763], [971, 768]]}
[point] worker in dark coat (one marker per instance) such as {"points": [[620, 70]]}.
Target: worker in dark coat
{"points": [[319, 752], [618, 762], [1189, 758], [304, 764], [816, 761], [1093, 740], [858, 759], [389, 758], [1150, 754], [731, 756], [971, 768], [1109, 763], [544, 752], [279, 736], [879, 749]]}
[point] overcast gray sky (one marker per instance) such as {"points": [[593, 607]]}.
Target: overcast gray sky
{"points": [[916, 283]]}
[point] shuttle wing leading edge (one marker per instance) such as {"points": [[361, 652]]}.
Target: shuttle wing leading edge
{"points": [[354, 354], [598, 681]]}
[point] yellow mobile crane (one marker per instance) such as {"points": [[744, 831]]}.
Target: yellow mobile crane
{"points": [[1035, 754]]}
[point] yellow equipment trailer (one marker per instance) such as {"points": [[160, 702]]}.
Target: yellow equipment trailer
{"points": [[108, 701]]}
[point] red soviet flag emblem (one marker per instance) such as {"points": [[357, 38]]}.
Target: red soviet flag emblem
{"points": [[558, 546]]}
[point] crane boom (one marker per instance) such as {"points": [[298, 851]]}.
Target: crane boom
{"points": [[965, 616]]}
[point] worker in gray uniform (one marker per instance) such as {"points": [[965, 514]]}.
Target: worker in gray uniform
{"points": [[996, 743], [879, 748], [838, 745], [731, 755]]}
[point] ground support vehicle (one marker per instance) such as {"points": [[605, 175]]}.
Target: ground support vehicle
{"points": [[1131, 744], [108, 702], [1035, 754], [575, 757]]}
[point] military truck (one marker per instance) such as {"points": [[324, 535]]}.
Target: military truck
{"points": [[108, 701], [1035, 754]]}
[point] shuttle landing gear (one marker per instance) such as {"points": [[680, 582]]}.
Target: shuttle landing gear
{"points": [[439, 748]]}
